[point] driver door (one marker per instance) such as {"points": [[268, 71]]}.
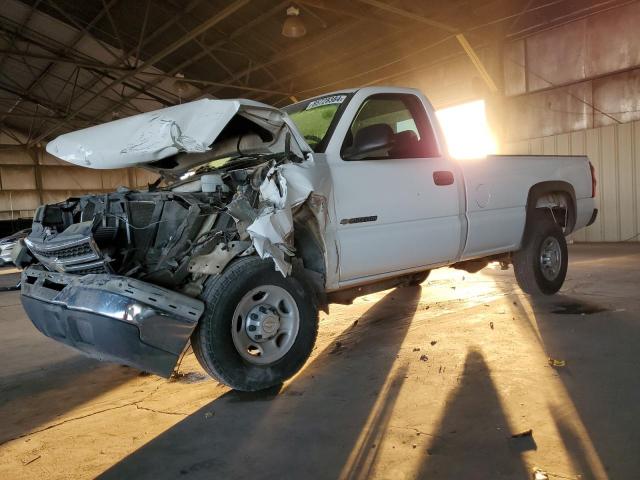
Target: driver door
{"points": [[394, 212]]}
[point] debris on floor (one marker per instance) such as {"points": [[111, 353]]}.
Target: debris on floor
{"points": [[337, 348], [539, 474], [526, 433], [30, 461], [188, 377], [423, 358], [554, 362], [491, 325], [433, 342], [416, 349], [578, 308]]}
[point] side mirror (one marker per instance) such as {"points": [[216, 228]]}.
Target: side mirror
{"points": [[377, 138]]}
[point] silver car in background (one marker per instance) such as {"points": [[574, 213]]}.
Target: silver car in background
{"points": [[7, 244]]}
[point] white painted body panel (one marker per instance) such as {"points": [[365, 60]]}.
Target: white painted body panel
{"points": [[190, 128], [497, 188], [421, 225], [418, 225]]}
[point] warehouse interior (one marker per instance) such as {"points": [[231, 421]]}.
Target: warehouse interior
{"points": [[464, 376]]}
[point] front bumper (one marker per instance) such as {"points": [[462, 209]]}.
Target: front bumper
{"points": [[112, 318]]}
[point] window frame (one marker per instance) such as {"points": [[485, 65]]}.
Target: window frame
{"points": [[427, 131], [322, 146]]}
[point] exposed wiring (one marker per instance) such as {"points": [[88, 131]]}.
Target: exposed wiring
{"points": [[126, 221]]}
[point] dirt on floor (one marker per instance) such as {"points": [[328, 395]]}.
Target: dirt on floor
{"points": [[463, 377]]}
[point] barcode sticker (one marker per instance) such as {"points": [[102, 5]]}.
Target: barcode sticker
{"points": [[333, 99]]}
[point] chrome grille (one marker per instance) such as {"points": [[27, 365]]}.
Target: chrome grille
{"points": [[79, 256], [65, 252]]}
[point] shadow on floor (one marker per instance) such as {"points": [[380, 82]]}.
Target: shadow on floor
{"points": [[474, 438], [347, 388], [31, 400], [599, 340]]}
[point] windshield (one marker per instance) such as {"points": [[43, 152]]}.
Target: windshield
{"points": [[314, 117]]}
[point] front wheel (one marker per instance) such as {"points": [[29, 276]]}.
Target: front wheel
{"points": [[540, 265], [258, 328]]}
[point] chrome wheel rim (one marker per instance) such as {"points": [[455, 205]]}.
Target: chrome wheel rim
{"points": [[265, 324], [550, 258]]}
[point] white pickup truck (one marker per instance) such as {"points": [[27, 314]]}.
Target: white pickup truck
{"points": [[261, 217]]}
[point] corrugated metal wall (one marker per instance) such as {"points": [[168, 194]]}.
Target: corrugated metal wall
{"points": [[31, 178], [615, 153], [583, 74]]}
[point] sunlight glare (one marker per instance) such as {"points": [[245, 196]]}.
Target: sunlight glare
{"points": [[466, 130]]}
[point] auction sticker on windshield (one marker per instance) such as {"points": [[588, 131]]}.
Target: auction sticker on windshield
{"points": [[333, 99]]}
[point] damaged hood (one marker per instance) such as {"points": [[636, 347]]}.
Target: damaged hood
{"points": [[189, 128]]}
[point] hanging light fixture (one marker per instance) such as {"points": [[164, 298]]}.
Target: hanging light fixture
{"points": [[180, 86], [293, 26]]}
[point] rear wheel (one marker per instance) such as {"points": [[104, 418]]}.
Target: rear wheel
{"points": [[258, 328], [540, 265]]}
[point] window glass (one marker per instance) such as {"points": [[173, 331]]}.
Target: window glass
{"points": [[404, 118], [314, 117]]}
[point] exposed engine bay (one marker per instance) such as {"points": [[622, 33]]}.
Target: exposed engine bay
{"points": [[174, 236]]}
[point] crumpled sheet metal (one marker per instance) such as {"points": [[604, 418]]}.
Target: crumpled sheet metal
{"points": [[284, 188], [188, 128], [150, 136]]}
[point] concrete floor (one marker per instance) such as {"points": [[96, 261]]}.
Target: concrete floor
{"points": [[426, 382]]}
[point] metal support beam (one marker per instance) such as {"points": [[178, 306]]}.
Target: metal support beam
{"points": [[218, 84], [410, 15], [12, 41], [51, 106], [88, 87], [168, 50], [36, 155], [247, 27], [484, 74], [30, 115], [63, 59], [45, 71], [349, 9], [292, 52]]}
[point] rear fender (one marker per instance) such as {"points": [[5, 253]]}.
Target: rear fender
{"points": [[557, 196]]}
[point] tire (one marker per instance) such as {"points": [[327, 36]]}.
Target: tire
{"points": [[418, 278], [540, 265], [219, 339]]}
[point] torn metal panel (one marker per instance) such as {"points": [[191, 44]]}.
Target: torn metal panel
{"points": [[214, 262], [190, 128], [284, 188]]}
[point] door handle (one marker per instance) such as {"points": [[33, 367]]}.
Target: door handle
{"points": [[443, 177]]}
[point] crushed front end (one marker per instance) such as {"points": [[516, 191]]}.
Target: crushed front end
{"points": [[106, 270], [119, 275]]}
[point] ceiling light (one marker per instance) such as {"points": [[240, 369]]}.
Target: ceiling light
{"points": [[293, 26], [179, 85]]}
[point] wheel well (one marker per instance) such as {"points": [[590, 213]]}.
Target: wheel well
{"points": [[559, 198], [309, 253], [308, 245]]}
